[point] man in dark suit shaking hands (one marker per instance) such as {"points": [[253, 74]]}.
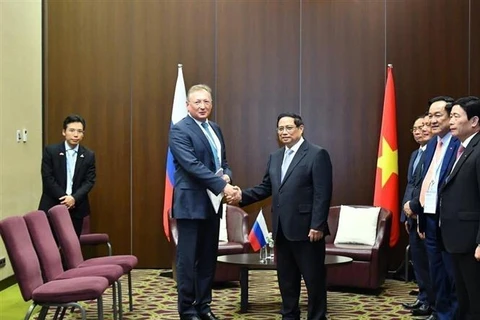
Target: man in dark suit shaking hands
{"points": [[299, 178], [460, 207], [201, 164], [68, 173]]}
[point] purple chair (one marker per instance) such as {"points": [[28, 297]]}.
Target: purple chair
{"points": [[94, 239], [70, 247], [51, 261], [26, 267]]}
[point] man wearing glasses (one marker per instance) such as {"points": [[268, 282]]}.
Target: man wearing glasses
{"points": [[426, 297], [201, 164], [299, 178], [68, 173]]}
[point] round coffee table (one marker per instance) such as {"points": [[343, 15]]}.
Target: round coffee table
{"points": [[251, 261]]}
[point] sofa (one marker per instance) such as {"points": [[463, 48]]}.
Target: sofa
{"points": [[237, 234], [368, 269]]}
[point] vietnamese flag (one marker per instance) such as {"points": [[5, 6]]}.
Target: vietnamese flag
{"points": [[386, 179]]}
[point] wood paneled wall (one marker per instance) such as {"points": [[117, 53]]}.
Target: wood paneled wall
{"points": [[115, 63]]}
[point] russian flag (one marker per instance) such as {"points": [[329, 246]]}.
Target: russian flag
{"points": [[258, 234], [179, 111]]}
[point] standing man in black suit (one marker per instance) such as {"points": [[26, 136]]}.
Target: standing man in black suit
{"points": [[460, 207], [299, 177], [426, 297], [68, 173], [201, 164]]}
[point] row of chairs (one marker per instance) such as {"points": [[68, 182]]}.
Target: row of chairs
{"points": [[38, 268]]}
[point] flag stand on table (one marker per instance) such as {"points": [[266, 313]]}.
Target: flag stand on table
{"points": [[179, 111], [386, 179]]}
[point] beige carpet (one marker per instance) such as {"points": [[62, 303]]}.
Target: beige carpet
{"points": [[155, 298]]}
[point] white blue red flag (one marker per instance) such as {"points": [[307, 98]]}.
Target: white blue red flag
{"points": [[258, 234], [179, 111]]}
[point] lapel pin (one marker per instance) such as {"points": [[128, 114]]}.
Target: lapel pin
{"points": [[82, 156], [61, 154]]}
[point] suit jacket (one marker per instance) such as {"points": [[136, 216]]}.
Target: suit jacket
{"points": [[302, 200], [54, 178], [448, 161], [460, 202], [195, 169], [412, 180]]}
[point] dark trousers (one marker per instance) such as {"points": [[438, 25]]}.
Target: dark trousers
{"points": [[297, 259], [467, 283], [197, 250], [77, 225], [418, 253], [441, 271]]}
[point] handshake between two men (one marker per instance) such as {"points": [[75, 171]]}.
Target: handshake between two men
{"points": [[233, 194]]}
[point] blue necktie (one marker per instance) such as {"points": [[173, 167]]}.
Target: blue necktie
{"points": [[71, 160], [417, 160], [212, 145], [287, 159]]}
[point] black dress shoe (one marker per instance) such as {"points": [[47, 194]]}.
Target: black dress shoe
{"points": [[208, 316], [423, 310], [190, 317], [414, 305]]}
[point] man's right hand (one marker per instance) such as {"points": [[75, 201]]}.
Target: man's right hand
{"points": [[406, 208], [232, 193], [420, 234]]}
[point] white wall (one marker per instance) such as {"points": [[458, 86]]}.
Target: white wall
{"points": [[20, 107]]}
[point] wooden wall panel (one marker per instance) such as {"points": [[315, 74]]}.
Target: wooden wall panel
{"points": [[115, 63], [165, 33], [343, 76], [257, 78], [475, 48], [427, 42], [87, 71]]}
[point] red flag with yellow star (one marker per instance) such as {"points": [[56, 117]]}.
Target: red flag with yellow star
{"points": [[386, 179]]}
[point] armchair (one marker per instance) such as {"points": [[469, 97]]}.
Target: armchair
{"points": [[369, 266], [237, 231]]}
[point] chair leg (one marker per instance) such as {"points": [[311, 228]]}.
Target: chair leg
{"points": [[43, 313], [114, 299], [30, 311], [119, 299], [99, 308], [130, 297], [84, 313]]}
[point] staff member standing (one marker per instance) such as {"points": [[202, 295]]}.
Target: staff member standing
{"points": [[460, 207], [68, 173]]}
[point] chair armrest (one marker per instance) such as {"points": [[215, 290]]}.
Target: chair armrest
{"points": [[94, 238], [382, 242]]}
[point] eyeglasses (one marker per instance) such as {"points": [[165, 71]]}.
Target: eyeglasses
{"points": [[414, 129], [289, 129], [198, 103]]}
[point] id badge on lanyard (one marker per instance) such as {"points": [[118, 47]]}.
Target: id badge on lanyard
{"points": [[431, 198], [430, 206]]}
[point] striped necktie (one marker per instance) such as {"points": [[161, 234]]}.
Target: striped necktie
{"points": [[212, 145]]}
